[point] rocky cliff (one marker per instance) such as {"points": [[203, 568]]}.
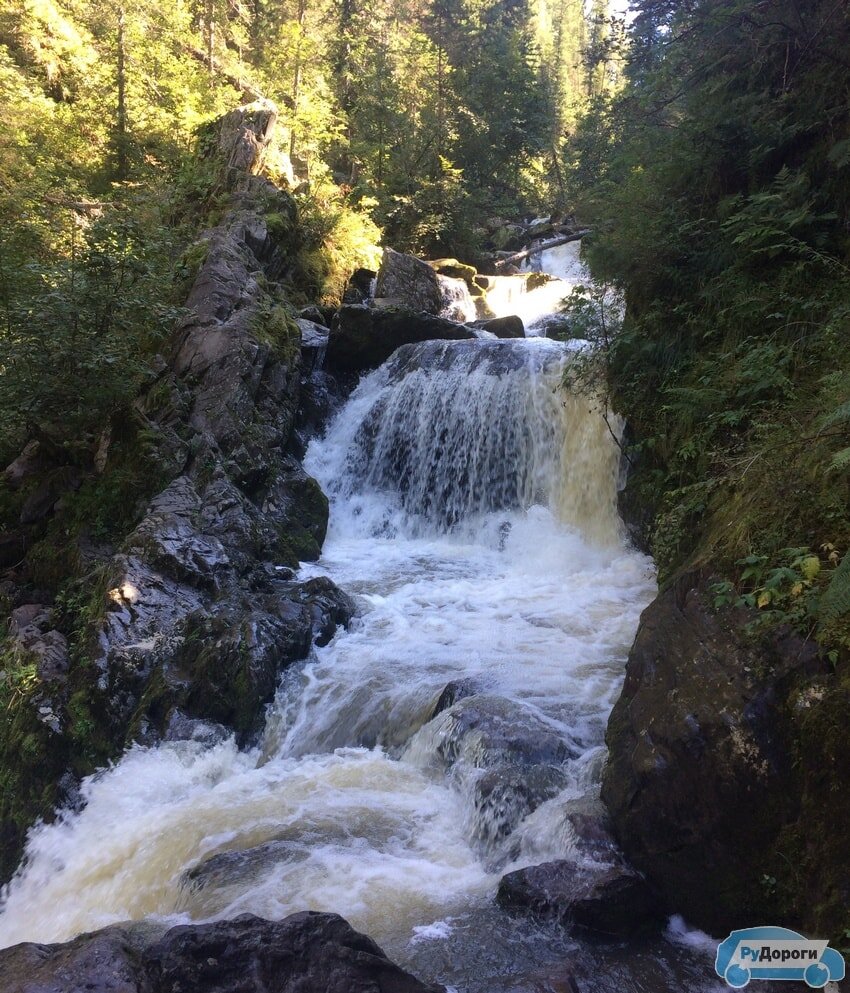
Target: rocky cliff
{"points": [[183, 627]]}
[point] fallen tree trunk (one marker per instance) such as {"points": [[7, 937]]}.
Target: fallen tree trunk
{"points": [[524, 254]]}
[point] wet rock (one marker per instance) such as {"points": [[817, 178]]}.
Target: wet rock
{"points": [[170, 542], [702, 782], [615, 902], [315, 315], [296, 504], [363, 338], [503, 327], [107, 961], [314, 344], [505, 796], [224, 667], [409, 283], [590, 829], [305, 953], [489, 731], [229, 868], [455, 270], [456, 690], [361, 280], [183, 728]]}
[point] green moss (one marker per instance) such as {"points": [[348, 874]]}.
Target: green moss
{"points": [[188, 266]]}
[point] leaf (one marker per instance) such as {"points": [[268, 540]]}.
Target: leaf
{"points": [[810, 567], [835, 602], [764, 599]]}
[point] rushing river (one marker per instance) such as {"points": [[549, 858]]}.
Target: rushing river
{"points": [[474, 519]]}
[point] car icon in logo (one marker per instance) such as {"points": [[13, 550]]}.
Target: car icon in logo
{"points": [[777, 953]]}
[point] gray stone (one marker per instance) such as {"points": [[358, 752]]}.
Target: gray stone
{"points": [[410, 282]]}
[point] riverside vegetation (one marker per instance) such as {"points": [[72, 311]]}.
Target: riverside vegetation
{"points": [[158, 254]]}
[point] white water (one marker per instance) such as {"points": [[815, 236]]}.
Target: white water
{"points": [[511, 295], [515, 577], [458, 304]]}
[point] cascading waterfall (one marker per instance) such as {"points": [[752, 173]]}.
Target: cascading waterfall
{"points": [[473, 518], [458, 304]]}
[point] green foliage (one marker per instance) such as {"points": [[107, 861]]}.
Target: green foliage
{"points": [[75, 330], [337, 236], [716, 186]]}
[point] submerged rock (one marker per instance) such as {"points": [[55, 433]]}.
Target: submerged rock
{"points": [[507, 795], [489, 731], [305, 953], [615, 902]]}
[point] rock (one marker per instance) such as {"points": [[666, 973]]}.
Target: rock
{"points": [[305, 953], [409, 282], [242, 138], [29, 463], [455, 270], [362, 279], [12, 548], [224, 666], [107, 961], [702, 781], [456, 690], [40, 502], [615, 902], [507, 795], [296, 504], [502, 327], [359, 288], [243, 865], [489, 731], [363, 338], [32, 628], [169, 540], [589, 827], [315, 315]]}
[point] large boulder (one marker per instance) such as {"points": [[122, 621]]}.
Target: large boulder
{"points": [[487, 732], [613, 902], [305, 953], [364, 338], [408, 282], [724, 762]]}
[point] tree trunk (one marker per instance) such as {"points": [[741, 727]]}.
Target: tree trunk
{"points": [[544, 246]]}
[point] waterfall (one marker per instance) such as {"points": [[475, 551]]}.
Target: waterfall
{"points": [[447, 433], [458, 304], [473, 518]]}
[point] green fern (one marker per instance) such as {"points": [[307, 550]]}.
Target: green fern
{"points": [[841, 460], [835, 603]]}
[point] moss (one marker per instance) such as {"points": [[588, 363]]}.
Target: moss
{"points": [[275, 326], [188, 266]]}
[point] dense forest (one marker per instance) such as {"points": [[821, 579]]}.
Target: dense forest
{"points": [[199, 203]]}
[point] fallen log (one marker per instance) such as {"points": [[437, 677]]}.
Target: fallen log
{"points": [[544, 246]]}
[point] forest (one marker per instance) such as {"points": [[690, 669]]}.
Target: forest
{"points": [[280, 495]]}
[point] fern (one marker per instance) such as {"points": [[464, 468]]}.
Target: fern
{"points": [[835, 603], [841, 460]]}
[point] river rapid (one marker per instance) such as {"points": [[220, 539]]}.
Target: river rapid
{"points": [[473, 518]]}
